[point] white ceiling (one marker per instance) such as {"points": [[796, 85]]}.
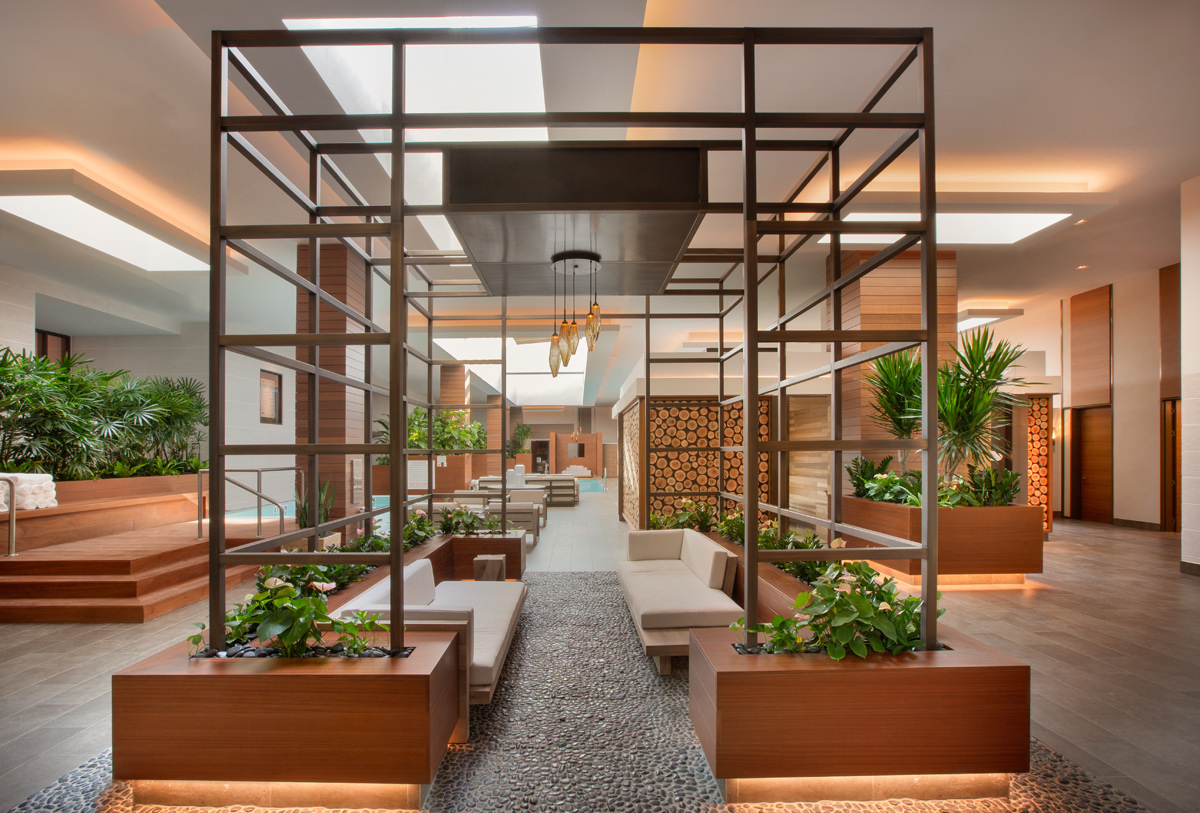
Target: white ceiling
{"points": [[1090, 99]]}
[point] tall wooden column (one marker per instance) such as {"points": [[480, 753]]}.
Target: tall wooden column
{"points": [[889, 298], [496, 439], [340, 408]]}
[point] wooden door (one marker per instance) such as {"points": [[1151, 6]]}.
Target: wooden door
{"points": [[1092, 486], [1172, 482]]}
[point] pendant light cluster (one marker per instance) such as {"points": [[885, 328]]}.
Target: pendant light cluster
{"points": [[564, 341]]}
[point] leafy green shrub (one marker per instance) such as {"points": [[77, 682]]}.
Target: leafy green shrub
{"points": [[325, 497], [732, 526], [418, 529], [281, 616], [852, 608], [699, 516], [993, 486], [516, 446], [76, 423], [862, 471], [452, 429], [982, 487]]}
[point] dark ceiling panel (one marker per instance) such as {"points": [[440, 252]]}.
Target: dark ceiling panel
{"points": [[656, 188]]}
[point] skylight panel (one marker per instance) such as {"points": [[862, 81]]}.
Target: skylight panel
{"points": [[961, 228], [97, 229]]}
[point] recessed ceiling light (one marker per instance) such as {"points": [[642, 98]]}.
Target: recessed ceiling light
{"points": [[1080, 222], [1080, 267], [977, 317], [95, 228], [962, 228]]}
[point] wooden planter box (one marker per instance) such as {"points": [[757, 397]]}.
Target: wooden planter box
{"points": [[525, 460], [964, 710], [972, 540], [120, 488], [312, 720]]}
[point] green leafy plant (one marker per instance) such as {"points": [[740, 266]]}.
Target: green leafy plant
{"points": [[196, 641], [325, 497], [349, 630], [383, 436], [459, 520], [904, 489], [288, 621], [993, 486], [452, 429], [862, 471], [895, 385], [700, 516], [516, 446], [972, 408], [418, 529], [76, 422], [732, 526], [851, 608]]}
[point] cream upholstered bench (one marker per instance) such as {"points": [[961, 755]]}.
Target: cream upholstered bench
{"points": [[676, 580], [484, 614]]}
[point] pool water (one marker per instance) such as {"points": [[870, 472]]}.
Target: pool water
{"points": [[593, 486]]}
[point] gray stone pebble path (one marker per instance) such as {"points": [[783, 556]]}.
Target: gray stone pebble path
{"points": [[583, 722]]}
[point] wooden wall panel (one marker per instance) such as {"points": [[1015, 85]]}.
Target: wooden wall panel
{"points": [[1091, 347], [591, 452], [889, 298], [808, 484], [1169, 326]]}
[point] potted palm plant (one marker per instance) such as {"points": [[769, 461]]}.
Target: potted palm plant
{"points": [[980, 533]]}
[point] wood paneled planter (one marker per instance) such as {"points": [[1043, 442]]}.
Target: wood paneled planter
{"points": [[962, 710], [119, 488], [91, 508], [313, 720], [972, 541]]}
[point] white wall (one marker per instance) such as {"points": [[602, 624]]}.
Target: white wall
{"points": [[1137, 466], [1190, 369], [186, 355]]}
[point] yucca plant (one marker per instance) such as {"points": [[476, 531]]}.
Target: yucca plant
{"points": [[971, 405], [896, 386]]}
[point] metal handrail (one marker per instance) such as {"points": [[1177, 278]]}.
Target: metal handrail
{"points": [[12, 514], [256, 492]]}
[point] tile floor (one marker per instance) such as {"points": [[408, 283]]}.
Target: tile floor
{"points": [[1109, 630]]}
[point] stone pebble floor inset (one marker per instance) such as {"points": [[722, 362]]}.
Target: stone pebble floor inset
{"points": [[582, 721]]}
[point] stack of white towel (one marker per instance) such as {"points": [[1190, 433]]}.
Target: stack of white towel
{"points": [[33, 491]]}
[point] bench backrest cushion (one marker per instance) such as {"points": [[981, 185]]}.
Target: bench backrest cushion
{"points": [[418, 582], [705, 558], [654, 544]]}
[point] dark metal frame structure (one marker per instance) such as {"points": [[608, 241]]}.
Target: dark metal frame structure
{"points": [[414, 292]]}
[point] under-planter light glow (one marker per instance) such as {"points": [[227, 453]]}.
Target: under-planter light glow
{"points": [[961, 228], [84, 223]]}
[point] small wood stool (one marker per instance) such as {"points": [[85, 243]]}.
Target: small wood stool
{"points": [[489, 567]]}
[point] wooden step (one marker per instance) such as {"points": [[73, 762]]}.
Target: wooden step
{"points": [[88, 585], [135, 609]]}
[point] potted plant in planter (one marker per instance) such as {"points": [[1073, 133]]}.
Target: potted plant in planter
{"points": [[325, 497], [517, 451], [981, 536], [849, 651]]}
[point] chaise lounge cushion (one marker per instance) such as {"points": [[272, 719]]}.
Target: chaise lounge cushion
{"points": [[497, 607], [666, 594], [491, 608]]}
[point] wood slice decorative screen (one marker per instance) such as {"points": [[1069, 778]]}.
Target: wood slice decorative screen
{"points": [[1040, 449], [630, 466], [693, 473]]}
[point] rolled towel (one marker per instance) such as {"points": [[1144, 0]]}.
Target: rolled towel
{"points": [[36, 478], [43, 503], [23, 490], [51, 503]]}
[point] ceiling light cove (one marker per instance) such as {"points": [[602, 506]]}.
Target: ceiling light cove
{"points": [[97, 229], [961, 228]]}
